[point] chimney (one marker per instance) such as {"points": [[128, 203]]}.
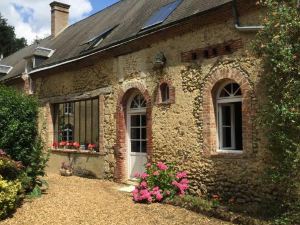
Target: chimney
{"points": [[59, 17]]}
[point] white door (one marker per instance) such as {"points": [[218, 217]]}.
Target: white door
{"points": [[137, 135]]}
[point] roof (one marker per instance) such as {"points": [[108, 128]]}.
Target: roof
{"points": [[129, 15]]}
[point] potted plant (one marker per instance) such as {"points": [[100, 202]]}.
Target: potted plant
{"points": [[55, 145], [62, 144], [76, 145], [91, 147], [66, 169]]}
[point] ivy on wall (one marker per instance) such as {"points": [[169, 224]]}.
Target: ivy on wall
{"points": [[278, 44]]}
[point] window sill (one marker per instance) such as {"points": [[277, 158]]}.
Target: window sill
{"points": [[168, 103], [229, 154], [75, 152]]}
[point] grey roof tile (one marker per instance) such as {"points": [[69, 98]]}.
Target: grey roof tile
{"points": [[130, 15]]}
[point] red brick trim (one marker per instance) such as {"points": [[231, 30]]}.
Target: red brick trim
{"points": [[171, 93], [212, 51], [121, 144], [211, 85]]}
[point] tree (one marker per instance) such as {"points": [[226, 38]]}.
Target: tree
{"points": [[8, 41], [278, 44]]}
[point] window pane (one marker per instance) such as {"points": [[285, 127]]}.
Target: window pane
{"points": [[238, 126], [226, 115], [135, 133], [144, 120], [89, 122], [144, 146], [226, 137], [77, 121], [135, 121], [82, 122], [135, 146], [95, 123], [144, 133]]}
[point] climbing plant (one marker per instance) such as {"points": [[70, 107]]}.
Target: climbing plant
{"points": [[278, 44]]}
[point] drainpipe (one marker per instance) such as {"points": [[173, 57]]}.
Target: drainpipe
{"points": [[240, 27]]}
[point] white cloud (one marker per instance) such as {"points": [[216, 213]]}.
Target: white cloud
{"points": [[31, 18]]}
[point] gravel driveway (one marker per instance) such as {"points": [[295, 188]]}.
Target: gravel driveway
{"points": [[74, 200]]}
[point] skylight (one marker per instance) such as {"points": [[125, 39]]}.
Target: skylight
{"points": [[5, 69], [43, 52], [162, 14], [95, 41]]}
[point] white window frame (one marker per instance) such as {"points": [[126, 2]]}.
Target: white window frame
{"points": [[68, 108], [229, 101]]}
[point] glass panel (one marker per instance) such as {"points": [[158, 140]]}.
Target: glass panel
{"points": [[82, 122], [95, 124], [226, 115], [144, 133], [76, 122], [224, 93], [162, 14], [89, 121], [164, 89], [135, 133], [135, 146], [135, 120], [144, 120], [238, 126], [138, 102], [226, 137], [144, 146]]}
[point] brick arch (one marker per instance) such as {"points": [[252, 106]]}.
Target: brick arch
{"points": [[121, 144], [212, 83]]}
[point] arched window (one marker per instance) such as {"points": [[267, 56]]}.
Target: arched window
{"points": [[229, 112], [165, 93], [67, 134], [138, 102]]}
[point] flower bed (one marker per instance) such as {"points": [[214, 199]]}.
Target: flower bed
{"points": [[159, 182]]}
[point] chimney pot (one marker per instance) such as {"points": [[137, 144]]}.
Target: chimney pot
{"points": [[59, 17]]}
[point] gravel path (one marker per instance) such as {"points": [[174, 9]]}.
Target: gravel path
{"points": [[74, 200]]}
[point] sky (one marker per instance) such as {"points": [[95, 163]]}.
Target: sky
{"points": [[31, 18]]}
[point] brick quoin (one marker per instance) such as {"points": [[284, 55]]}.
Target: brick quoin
{"points": [[212, 84], [121, 143]]}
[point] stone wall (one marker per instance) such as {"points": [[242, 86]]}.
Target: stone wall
{"points": [[182, 132]]}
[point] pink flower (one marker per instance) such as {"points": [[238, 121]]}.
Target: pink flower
{"points": [[149, 199], [135, 191], [137, 175], [158, 196], [144, 176], [155, 189], [148, 165], [144, 184], [162, 166], [181, 175], [156, 173]]}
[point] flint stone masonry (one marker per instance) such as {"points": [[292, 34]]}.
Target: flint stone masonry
{"points": [[184, 132]]}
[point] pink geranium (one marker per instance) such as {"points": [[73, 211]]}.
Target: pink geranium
{"points": [[181, 175], [162, 166], [156, 173], [144, 176]]}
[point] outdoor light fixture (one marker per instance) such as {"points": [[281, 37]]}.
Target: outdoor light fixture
{"points": [[160, 60]]}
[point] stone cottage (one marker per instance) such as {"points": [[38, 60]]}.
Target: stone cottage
{"points": [[147, 80]]}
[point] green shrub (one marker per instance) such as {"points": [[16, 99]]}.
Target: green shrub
{"points": [[278, 47], [19, 133]]}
